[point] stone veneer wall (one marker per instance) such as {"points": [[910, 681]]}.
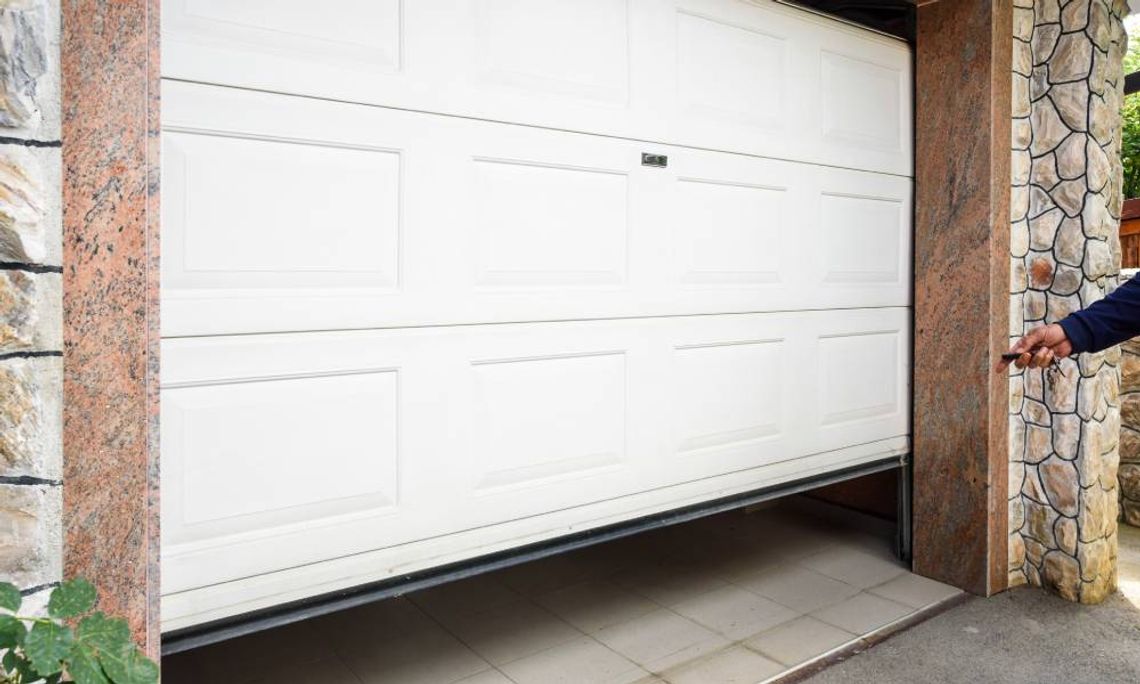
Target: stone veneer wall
{"points": [[1065, 208], [1129, 474], [30, 297]]}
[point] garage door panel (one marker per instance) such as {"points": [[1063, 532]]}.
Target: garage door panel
{"points": [[792, 86], [752, 77], [730, 233], [731, 72], [862, 102], [522, 395], [864, 244], [282, 214], [197, 606], [260, 213], [729, 405], [864, 239], [862, 385], [578, 50], [349, 414], [229, 442], [253, 38], [354, 33], [545, 225], [859, 376], [378, 438], [529, 414]]}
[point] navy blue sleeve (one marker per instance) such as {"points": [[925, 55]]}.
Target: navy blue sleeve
{"points": [[1112, 320]]}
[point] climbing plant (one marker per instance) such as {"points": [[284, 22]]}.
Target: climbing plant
{"points": [[1130, 145], [1130, 116], [70, 644]]}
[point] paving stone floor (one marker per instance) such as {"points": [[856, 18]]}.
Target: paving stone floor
{"points": [[738, 597]]}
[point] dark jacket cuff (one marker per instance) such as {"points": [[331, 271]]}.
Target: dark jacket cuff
{"points": [[1077, 332]]}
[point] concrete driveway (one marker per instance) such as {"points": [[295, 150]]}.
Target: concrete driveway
{"points": [[1023, 635]]}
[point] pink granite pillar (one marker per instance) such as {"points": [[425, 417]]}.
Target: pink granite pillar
{"points": [[109, 61], [961, 291]]}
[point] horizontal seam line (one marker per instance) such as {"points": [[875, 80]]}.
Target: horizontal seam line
{"points": [[32, 268], [536, 126], [6, 140], [39, 587], [28, 481], [419, 326], [30, 355]]}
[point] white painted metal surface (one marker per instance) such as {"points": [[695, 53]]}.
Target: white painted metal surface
{"points": [[289, 214], [723, 74], [423, 301]]}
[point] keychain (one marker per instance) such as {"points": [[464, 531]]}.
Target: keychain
{"points": [[1050, 372]]}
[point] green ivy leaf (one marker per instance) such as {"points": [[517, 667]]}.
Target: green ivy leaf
{"points": [[129, 666], [26, 672], [8, 662], [47, 645], [12, 632], [84, 667], [71, 599], [104, 634], [10, 598]]}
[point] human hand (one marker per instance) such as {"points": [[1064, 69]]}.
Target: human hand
{"points": [[1039, 348]]}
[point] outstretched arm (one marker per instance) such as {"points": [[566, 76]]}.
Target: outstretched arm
{"points": [[1110, 321]]}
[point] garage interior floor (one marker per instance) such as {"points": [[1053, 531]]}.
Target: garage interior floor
{"points": [[737, 597]]}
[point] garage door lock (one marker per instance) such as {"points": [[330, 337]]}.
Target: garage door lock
{"points": [[658, 160]]}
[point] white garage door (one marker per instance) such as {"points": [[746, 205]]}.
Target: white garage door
{"points": [[422, 300]]}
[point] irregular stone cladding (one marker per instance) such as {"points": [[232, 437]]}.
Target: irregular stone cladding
{"points": [[30, 298], [1128, 476], [1064, 255]]}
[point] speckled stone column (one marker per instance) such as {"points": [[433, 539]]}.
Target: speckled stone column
{"points": [[109, 56], [961, 291], [1065, 254]]}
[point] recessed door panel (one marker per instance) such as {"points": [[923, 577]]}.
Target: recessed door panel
{"points": [[289, 214], [753, 77], [283, 450]]}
